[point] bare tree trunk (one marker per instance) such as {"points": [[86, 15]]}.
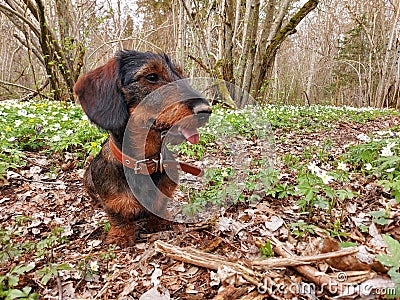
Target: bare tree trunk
{"points": [[237, 20], [248, 40], [227, 64], [311, 70], [269, 55], [181, 35], [396, 94], [250, 47], [383, 84], [265, 34]]}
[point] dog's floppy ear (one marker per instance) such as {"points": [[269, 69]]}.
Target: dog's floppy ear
{"points": [[100, 96]]}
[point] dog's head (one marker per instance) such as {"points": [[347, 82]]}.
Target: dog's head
{"points": [[110, 94]]}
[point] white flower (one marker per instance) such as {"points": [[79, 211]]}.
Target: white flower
{"points": [[224, 173], [22, 113], [17, 123], [390, 170], [312, 166], [94, 266], [342, 166], [69, 132], [368, 166], [12, 139], [382, 132], [56, 126], [363, 137], [56, 138], [325, 177], [65, 118], [387, 150]]}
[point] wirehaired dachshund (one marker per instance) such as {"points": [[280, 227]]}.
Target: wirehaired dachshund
{"points": [[120, 173]]}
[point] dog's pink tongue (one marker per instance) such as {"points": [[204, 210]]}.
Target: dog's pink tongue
{"points": [[191, 135]]}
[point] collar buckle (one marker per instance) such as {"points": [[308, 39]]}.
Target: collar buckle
{"points": [[137, 168]]}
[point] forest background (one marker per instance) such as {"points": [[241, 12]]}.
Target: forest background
{"points": [[334, 52]]}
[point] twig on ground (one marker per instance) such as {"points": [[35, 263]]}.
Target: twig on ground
{"points": [[206, 260], [247, 269], [293, 260], [212, 261], [59, 287], [309, 272]]}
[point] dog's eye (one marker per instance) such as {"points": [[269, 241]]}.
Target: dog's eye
{"points": [[153, 78]]}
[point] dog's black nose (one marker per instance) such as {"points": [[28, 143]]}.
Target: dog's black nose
{"points": [[202, 109]]}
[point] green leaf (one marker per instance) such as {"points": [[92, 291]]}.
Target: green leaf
{"points": [[347, 244], [344, 194], [379, 217], [13, 280], [22, 269], [266, 250], [394, 275], [15, 294], [393, 258], [64, 267], [45, 279], [393, 246]]}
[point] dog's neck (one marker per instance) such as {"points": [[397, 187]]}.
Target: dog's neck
{"points": [[139, 143]]}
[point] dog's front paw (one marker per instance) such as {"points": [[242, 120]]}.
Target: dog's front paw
{"points": [[156, 224], [123, 236]]}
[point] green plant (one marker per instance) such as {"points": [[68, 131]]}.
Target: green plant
{"points": [[9, 283], [392, 260], [336, 230], [347, 244], [267, 250], [380, 157], [49, 241], [300, 229], [195, 151], [44, 126], [8, 249], [290, 160], [47, 272], [218, 190], [11, 250], [379, 217]]}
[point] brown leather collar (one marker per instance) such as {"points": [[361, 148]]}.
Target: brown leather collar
{"points": [[149, 166]]}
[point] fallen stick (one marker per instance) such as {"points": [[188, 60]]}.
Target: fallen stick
{"points": [[247, 269], [206, 260], [310, 273], [293, 260], [213, 261]]}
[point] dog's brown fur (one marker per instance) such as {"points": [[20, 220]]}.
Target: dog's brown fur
{"points": [[109, 95]]}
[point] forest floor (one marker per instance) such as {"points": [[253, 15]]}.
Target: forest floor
{"points": [[218, 259]]}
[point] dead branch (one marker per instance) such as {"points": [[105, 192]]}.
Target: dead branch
{"points": [[292, 261], [309, 272], [206, 260], [33, 93], [39, 90], [213, 261], [202, 65], [17, 86]]}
